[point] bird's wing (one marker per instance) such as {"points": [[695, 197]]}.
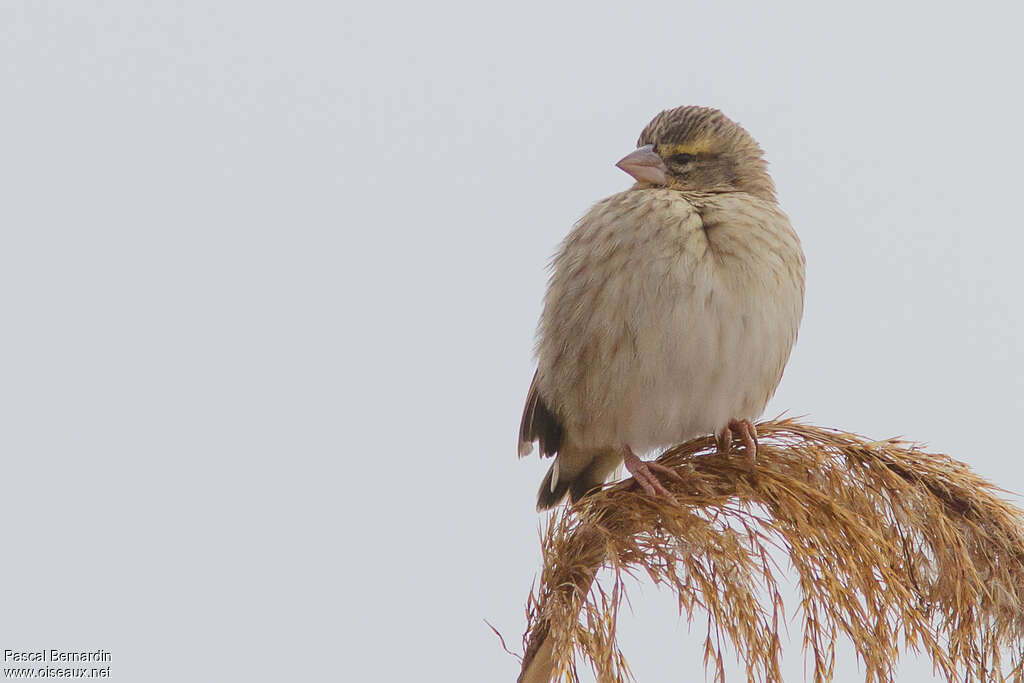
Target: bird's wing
{"points": [[539, 424]]}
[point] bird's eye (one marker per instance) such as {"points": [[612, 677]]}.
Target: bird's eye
{"points": [[681, 158]]}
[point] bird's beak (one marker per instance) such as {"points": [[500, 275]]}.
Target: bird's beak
{"points": [[645, 165]]}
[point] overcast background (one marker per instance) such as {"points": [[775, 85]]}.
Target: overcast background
{"points": [[270, 275]]}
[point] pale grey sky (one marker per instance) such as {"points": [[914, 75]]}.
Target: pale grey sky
{"points": [[271, 273]]}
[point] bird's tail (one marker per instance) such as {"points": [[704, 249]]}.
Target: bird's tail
{"points": [[575, 474], [548, 496]]}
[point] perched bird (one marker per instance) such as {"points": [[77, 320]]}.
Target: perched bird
{"points": [[671, 310]]}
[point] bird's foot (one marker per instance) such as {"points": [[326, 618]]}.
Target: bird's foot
{"points": [[643, 474], [747, 433]]}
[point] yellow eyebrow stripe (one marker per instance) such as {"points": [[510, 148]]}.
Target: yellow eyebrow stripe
{"points": [[697, 147]]}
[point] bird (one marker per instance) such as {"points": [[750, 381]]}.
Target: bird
{"points": [[670, 313]]}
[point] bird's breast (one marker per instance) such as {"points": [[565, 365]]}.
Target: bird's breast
{"points": [[665, 317]]}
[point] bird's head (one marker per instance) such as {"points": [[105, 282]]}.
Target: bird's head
{"points": [[697, 148]]}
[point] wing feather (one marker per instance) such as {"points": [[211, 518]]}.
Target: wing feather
{"points": [[539, 424]]}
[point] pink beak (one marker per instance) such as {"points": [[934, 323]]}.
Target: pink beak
{"points": [[645, 165]]}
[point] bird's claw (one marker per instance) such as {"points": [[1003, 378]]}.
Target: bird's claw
{"points": [[747, 433], [644, 475]]}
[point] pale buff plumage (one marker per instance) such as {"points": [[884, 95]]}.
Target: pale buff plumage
{"points": [[671, 310]]}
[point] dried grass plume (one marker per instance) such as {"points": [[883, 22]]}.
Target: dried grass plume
{"points": [[891, 547]]}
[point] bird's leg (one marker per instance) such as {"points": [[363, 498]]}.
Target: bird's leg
{"points": [[747, 433], [643, 473]]}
